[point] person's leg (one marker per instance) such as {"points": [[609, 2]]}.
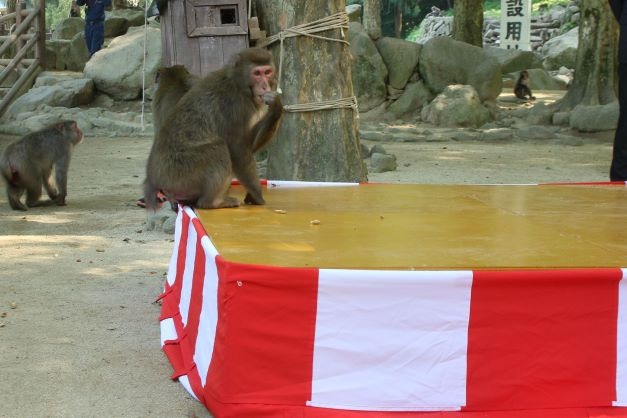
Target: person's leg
{"points": [[618, 169], [97, 37], [88, 36]]}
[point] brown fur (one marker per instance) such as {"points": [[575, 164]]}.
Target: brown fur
{"points": [[208, 137], [27, 164], [172, 84], [521, 89]]}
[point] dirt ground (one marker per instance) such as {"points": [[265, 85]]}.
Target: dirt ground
{"points": [[79, 332]]}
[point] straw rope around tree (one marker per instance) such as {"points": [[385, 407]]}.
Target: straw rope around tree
{"points": [[335, 21]]}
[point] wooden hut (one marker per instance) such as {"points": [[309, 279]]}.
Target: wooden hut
{"points": [[202, 35]]}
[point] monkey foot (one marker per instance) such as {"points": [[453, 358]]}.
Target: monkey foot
{"points": [[161, 199]]}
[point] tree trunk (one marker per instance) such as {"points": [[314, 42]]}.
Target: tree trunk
{"points": [[372, 18], [468, 22], [398, 19], [596, 76], [322, 145]]}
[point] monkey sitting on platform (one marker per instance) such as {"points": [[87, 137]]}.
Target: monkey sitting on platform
{"points": [[212, 133], [27, 164], [521, 89]]}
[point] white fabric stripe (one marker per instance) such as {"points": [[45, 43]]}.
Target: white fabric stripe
{"points": [[209, 314], [168, 332], [621, 360], [185, 382], [391, 340], [297, 184], [171, 276], [188, 273]]}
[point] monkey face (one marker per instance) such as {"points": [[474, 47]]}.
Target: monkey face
{"points": [[262, 80]]}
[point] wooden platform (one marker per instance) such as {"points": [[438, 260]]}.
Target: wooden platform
{"points": [[427, 227]]}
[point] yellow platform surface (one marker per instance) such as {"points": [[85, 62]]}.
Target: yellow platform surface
{"points": [[396, 226]]}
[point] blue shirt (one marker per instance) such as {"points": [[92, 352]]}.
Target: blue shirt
{"points": [[95, 10]]}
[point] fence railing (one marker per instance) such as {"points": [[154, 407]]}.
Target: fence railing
{"points": [[22, 49]]}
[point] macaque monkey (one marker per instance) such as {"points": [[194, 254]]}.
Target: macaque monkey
{"points": [[27, 164], [212, 133], [521, 89], [172, 84]]}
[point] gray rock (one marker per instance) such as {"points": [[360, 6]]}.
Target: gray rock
{"points": [[535, 132], [368, 70], [514, 60], [354, 12], [594, 118], [67, 28], [133, 17], [539, 114], [415, 96], [561, 50], [444, 61], [400, 58], [433, 27], [363, 150], [540, 79], [377, 149], [117, 69], [496, 135], [115, 26], [380, 163], [561, 118], [458, 105]]}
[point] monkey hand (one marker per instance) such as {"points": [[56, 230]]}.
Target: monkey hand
{"points": [[250, 200], [270, 97]]}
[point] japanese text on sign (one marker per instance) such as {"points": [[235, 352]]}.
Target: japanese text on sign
{"points": [[516, 24]]}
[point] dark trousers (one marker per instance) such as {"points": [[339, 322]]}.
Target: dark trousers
{"points": [[618, 169], [94, 36]]}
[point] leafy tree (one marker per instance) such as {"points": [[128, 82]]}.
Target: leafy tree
{"points": [[468, 22], [372, 18], [321, 145], [596, 76]]}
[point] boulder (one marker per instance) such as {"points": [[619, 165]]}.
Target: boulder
{"points": [[70, 92], [444, 61], [132, 17], [594, 118], [514, 60], [400, 58], [561, 50], [433, 27], [415, 96], [70, 55], [115, 26], [117, 69], [67, 28], [368, 70], [457, 105]]}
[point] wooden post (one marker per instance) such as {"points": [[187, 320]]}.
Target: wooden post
{"points": [[40, 50], [18, 19]]}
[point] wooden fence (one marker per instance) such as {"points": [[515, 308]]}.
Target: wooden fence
{"points": [[22, 49]]}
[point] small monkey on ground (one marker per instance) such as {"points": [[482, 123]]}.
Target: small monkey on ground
{"points": [[27, 164], [212, 133], [521, 89]]}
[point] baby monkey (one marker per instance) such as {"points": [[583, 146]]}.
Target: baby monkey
{"points": [[521, 89], [27, 164]]}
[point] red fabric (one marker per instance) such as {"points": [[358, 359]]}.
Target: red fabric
{"points": [[265, 334], [525, 352], [283, 411]]}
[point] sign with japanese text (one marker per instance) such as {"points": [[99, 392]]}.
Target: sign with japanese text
{"points": [[516, 24]]}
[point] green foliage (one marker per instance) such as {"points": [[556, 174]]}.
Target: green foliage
{"points": [[492, 8], [56, 11]]}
